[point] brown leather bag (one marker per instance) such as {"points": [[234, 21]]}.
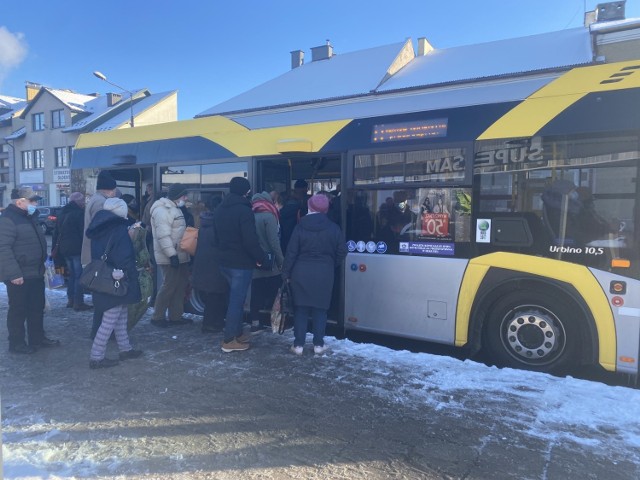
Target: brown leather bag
{"points": [[189, 241]]}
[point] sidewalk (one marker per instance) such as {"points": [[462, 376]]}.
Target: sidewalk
{"points": [[186, 410]]}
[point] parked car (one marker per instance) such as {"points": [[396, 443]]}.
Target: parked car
{"points": [[47, 217]]}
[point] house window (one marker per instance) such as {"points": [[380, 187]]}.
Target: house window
{"points": [[38, 159], [57, 119], [37, 121], [70, 153], [27, 160], [61, 157]]}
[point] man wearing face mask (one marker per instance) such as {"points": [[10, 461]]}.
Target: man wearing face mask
{"points": [[168, 225], [23, 250]]}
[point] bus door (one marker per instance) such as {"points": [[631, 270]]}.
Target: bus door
{"points": [[286, 176], [132, 183]]}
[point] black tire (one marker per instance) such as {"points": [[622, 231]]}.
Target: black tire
{"points": [[533, 331]]}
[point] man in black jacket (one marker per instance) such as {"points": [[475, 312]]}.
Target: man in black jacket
{"points": [[23, 250], [239, 253]]}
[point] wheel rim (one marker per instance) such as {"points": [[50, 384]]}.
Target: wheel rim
{"points": [[196, 302], [533, 335]]}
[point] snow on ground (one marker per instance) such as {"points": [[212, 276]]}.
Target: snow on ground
{"points": [[594, 416]]}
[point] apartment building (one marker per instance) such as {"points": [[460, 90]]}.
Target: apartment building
{"points": [[40, 132]]}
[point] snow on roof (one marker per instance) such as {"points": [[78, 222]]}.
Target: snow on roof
{"points": [[361, 72], [12, 105], [504, 57], [453, 96], [77, 102], [10, 102], [342, 75], [99, 111]]}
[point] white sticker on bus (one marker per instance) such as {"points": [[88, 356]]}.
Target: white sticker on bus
{"points": [[483, 230]]}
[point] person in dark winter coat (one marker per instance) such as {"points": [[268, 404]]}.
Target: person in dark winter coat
{"points": [[206, 276], [238, 253], [109, 230], [69, 234], [315, 250], [23, 250]]}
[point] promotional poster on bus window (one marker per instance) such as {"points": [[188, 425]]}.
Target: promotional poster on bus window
{"points": [[444, 215], [427, 221]]}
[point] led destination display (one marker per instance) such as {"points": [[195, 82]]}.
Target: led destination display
{"points": [[393, 132]]}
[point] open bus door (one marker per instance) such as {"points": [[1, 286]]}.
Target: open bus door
{"points": [[322, 173]]}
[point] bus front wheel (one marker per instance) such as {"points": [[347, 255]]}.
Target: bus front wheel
{"points": [[533, 331]]}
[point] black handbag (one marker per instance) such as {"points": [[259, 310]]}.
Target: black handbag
{"points": [[268, 262], [97, 276]]}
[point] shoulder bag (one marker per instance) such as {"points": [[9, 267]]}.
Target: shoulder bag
{"points": [[189, 241], [97, 276]]}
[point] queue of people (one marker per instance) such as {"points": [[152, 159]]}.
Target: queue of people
{"points": [[240, 246]]}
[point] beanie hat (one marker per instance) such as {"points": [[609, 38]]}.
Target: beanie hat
{"points": [[318, 203], [28, 193], [239, 186], [117, 206], [77, 198], [105, 181], [176, 191]]}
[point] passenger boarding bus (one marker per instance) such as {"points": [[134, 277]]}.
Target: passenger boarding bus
{"points": [[507, 222]]}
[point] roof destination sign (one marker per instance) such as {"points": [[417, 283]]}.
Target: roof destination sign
{"points": [[394, 132]]}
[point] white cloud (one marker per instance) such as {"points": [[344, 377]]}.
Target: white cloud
{"points": [[13, 50]]}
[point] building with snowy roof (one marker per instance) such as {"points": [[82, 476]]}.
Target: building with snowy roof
{"points": [[40, 132]]}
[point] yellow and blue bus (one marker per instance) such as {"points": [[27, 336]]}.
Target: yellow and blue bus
{"points": [[501, 216]]}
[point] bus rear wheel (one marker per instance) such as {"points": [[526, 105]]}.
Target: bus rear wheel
{"points": [[532, 331]]}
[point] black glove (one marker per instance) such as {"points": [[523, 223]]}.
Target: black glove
{"points": [[175, 263]]}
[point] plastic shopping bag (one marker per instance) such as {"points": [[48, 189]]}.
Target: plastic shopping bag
{"points": [[52, 278]]}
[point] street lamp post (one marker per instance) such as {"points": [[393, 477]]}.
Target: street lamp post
{"points": [[101, 76]]}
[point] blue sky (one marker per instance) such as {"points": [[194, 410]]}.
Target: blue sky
{"points": [[211, 50]]}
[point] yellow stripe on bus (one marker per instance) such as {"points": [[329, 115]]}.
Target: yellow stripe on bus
{"points": [[577, 275], [234, 137], [270, 141], [528, 117], [159, 131]]}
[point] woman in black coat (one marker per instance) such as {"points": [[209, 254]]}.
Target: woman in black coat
{"points": [[315, 249], [206, 276], [109, 230]]}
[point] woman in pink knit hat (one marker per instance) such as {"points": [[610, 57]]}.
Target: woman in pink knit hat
{"points": [[315, 250]]}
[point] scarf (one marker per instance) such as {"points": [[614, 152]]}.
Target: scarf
{"points": [[265, 206]]}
